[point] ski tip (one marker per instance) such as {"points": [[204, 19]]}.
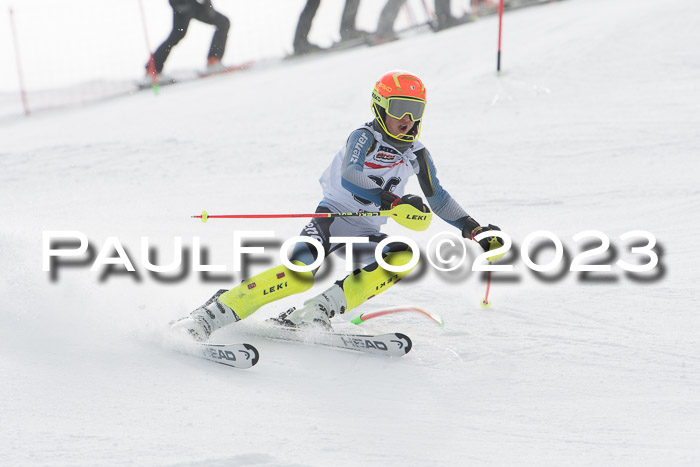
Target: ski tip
{"points": [[256, 354], [408, 344], [234, 355]]}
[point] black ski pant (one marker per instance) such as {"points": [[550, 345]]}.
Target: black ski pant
{"points": [[385, 27], [347, 21], [181, 21]]}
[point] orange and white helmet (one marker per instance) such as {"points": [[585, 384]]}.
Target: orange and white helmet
{"points": [[396, 94]]}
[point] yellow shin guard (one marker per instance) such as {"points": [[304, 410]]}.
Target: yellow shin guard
{"points": [[273, 284], [371, 280]]}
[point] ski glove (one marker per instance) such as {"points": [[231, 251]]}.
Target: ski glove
{"points": [[472, 228], [390, 200]]}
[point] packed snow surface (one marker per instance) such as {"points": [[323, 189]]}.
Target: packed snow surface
{"points": [[593, 124]]}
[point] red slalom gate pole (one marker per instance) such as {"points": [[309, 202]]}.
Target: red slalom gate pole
{"points": [[500, 29], [22, 90], [151, 60]]}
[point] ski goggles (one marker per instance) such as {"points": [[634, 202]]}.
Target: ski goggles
{"points": [[398, 107]]}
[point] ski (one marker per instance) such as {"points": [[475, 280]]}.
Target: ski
{"points": [[147, 84], [225, 70], [234, 355], [185, 76], [392, 344], [335, 47]]}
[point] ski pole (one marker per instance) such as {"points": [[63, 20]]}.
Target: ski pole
{"points": [[22, 89], [428, 13], [408, 10], [404, 214], [500, 28], [485, 301]]}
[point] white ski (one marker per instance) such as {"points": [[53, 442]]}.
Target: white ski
{"points": [[235, 355], [392, 344]]}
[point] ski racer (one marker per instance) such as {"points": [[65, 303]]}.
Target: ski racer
{"points": [[368, 174], [183, 12]]}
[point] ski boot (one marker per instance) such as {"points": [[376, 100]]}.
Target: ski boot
{"points": [[317, 311], [214, 65], [205, 319]]}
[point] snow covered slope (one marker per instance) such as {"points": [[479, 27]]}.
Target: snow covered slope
{"points": [[593, 125]]}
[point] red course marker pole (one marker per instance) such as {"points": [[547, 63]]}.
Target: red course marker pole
{"points": [[151, 61]]}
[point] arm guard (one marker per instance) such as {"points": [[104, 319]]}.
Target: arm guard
{"points": [[353, 179]]}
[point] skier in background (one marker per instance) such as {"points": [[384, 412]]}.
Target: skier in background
{"points": [[368, 174], [183, 12], [387, 18], [348, 31], [444, 18]]}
